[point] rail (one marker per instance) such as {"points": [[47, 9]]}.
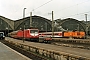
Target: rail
{"points": [[84, 41], [48, 54]]}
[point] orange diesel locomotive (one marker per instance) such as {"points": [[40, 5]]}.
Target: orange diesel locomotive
{"points": [[74, 34]]}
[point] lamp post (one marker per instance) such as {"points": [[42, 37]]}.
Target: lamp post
{"points": [[24, 23], [24, 12], [52, 25]]}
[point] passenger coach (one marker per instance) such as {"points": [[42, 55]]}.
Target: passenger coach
{"points": [[64, 34]]}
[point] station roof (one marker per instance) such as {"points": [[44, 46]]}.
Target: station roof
{"points": [[41, 23]]}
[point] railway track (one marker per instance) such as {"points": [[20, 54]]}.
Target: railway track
{"points": [[51, 51], [83, 44], [72, 45]]}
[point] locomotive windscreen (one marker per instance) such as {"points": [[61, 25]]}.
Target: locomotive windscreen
{"points": [[33, 31]]}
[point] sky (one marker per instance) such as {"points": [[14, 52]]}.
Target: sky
{"points": [[13, 9]]}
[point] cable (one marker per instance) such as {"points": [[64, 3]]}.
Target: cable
{"points": [[74, 5], [77, 9], [77, 14], [42, 5]]}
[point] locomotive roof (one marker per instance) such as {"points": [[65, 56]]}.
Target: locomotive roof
{"points": [[1, 32], [31, 29]]}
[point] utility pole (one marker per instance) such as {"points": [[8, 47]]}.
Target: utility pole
{"points": [[30, 19], [8, 29], [24, 23], [86, 26], [78, 27], [52, 25], [46, 26]]}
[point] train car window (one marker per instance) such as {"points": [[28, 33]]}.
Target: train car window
{"points": [[1, 34]]}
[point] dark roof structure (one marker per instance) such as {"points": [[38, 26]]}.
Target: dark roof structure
{"points": [[43, 24]]}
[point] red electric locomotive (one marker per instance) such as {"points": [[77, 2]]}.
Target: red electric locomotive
{"points": [[29, 34]]}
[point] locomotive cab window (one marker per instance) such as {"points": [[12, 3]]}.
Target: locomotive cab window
{"points": [[33, 31]]}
